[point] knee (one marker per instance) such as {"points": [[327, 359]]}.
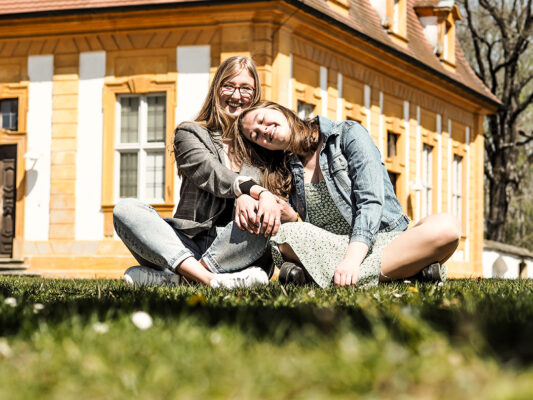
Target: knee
{"points": [[446, 230], [125, 208]]}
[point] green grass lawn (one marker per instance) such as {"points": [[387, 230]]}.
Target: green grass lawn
{"points": [[75, 339]]}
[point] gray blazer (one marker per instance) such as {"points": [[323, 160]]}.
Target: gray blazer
{"points": [[206, 181]]}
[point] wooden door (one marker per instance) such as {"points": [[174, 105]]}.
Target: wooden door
{"points": [[8, 165]]}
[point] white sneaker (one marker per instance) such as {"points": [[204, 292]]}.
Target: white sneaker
{"points": [[247, 278], [146, 276]]}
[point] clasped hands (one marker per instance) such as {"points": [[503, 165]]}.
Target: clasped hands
{"points": [[262, 216]]}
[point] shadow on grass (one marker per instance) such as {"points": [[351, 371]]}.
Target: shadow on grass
{"points": [[496, 317]]}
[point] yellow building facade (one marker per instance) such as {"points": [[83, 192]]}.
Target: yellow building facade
{"points": [[74, 81]]}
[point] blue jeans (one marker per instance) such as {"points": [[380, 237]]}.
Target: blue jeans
{"points": [[154, 243]]}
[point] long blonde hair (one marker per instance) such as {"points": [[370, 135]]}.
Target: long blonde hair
{"points": [[277, 176], [212, 114]]}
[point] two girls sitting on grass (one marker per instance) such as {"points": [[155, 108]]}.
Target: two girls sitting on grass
{"points": [[353, 231]]}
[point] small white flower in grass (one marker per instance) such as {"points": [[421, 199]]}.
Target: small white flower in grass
{"points": [[37, 307], [141, 320], [397, 295], [100, 327], [441, 284], [11, 301], [311, 293], [215, 338], [5, 350], [407, 281]]}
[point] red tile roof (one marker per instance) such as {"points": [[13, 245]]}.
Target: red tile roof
{"points": [[33, 6], [363, 22]]}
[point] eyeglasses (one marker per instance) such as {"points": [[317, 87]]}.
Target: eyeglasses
{"points": [[245, 91]]}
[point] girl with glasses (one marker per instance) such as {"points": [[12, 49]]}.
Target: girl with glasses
{"points": [[201, 243]]}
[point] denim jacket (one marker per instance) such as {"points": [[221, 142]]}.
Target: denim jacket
{"points": [[356, 180]]}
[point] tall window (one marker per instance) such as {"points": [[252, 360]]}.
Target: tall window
{"points": [[457, 185], [140, 146], [392, 144], [9, 114], [427, 180], [305, 110]]}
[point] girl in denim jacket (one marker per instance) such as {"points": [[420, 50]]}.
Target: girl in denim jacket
{"points": [[353, 229]]}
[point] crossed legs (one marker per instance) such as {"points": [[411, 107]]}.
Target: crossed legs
{"points": [[434, 238]]}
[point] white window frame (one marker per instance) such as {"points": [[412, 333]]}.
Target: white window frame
{"points": [[142, 147], [457, 186], [427, 180]]}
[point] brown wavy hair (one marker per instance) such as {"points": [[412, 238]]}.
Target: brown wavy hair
{"points": [[212, 114], [277, 176]]}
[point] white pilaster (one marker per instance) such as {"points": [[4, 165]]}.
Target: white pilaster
{"points": [[450, 166], [193, 65], [37, 204], [407, 139], [339, 97], [418, 165], [439, 163], [466, 211], [89, 217], [381, 133], [324, 90], [291, 74], [367, 107]]}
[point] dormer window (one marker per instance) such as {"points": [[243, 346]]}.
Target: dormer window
{"points": [[438, 22], [340, 6], [393, 16]]}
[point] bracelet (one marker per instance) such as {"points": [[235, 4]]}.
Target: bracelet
{"points": [[261, 192]]}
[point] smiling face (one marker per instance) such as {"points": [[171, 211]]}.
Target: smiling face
{"points": [[237, 93], [267, 127]]}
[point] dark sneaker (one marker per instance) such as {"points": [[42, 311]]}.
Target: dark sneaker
{"points": [[432, 273], [146, 276], [292, 273]]}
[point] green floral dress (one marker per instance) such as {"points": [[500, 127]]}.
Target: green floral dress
{"points": [[321, 243]]}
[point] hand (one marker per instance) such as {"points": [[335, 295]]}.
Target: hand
{"points": [[246, 213], [268, 214], [287, 212], [346, 273]]}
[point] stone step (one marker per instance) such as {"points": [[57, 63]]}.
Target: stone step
{"points": [[17, 272], [13, 266]]}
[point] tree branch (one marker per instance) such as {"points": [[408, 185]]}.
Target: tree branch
{"points": [[522, 106], [528, 138], [475, 41], [497, 16]]}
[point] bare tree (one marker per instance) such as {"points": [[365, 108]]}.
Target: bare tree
{"points": [[495, 35]]}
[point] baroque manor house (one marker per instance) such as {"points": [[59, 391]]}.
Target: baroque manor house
{"points": [[90, 92]]}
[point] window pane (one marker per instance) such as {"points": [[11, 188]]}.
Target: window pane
{"points": [[9, 112], [156, 118], [155, 175], [128, 174], [392, 140], [305, 110], [129, 119]]}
